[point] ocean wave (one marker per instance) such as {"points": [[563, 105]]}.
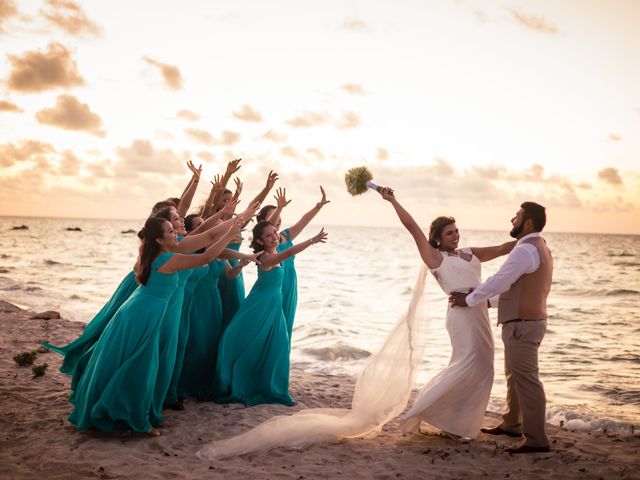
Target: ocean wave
{"points": [[570, 419], [601, 292], [621, 292], [340, 351], [622, 396], [627, 264], [32, 289], [51, 262], [625, 358], [623, 254]]}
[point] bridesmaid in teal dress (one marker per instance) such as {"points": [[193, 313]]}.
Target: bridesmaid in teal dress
{"points": [[232, 291], [74, 351], [253, 356], [118, 387], [290, 278], [170, 340], [205, 329], [173, 400]]}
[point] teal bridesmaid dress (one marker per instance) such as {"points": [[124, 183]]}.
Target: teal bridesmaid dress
{"points": [[197, 274], [289, 285], [74, 351], [253, 357], [205, 328], [169, 337], [117, 389], [231, 290]]}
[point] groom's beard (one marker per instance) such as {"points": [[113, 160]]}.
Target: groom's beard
{"points": [[516, 231]]}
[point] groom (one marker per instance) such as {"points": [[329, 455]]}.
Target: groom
{"points": [[523, 282]]}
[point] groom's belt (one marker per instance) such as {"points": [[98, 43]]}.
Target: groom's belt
{"points": [[523, 320]]}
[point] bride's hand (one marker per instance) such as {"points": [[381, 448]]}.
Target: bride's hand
{"points": [[386, 193]]}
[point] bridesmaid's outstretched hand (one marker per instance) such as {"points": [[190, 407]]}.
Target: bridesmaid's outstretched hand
{"points": [[321, 237]]}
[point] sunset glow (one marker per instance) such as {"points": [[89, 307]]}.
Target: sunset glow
{"points": [[465, 108]]}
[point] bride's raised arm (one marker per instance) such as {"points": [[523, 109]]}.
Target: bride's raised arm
{"points": [[430, 256]]}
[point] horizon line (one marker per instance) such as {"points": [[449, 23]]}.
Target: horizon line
{"points": [[325, 224]]}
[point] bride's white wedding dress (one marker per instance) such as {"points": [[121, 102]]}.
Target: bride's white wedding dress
{"points": [[455, 400], [383, 387]]}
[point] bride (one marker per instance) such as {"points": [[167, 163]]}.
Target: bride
{"points": [[383, 388], [455, 399]]}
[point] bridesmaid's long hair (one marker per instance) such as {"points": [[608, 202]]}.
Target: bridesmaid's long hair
{"points": [[264, 213], [165, 213], [436, 228], [188, 221], [257, 233], [152, 231]]}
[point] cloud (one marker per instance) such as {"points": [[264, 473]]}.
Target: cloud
{"points": [[533, 22], [289, 151], [227, 137], [188, 115], [353, 88], [70, 17], [354, 24], [490, 172], [206, 156], [610, 175], [26, 150], [315, 152], [142, 157], [248, 114], [308, 119], [615, 137], [37, 71], [6, 106], [70, 114], [442, 168], [201, 136], [274, 137], [584, 186], [348, 120], [171, 73], [69, 164], [535, 173], [7, 10], [99, 169], [382, 154]]}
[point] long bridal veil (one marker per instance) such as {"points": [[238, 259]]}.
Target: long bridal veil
{"points": [[381, 393]]}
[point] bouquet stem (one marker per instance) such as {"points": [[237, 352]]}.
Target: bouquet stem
{"points": [[373, 186]]}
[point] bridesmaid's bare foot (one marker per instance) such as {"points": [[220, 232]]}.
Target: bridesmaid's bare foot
{"points": [[154, 432]]}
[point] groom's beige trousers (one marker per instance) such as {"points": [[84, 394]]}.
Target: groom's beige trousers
{"points": [[526, 402]]}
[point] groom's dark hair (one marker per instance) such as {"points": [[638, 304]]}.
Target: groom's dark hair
{"points": [[536, 213]]}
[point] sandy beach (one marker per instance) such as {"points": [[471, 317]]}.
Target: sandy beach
{"points": [[38, 442]]}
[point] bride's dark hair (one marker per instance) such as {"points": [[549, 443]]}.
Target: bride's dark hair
{"points": [[149, 247], [436, 228]]}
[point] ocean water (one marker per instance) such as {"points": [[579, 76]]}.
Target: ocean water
{"points": [[353, 289]]}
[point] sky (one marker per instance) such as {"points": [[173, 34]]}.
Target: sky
{"points": [[465, 108]]}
